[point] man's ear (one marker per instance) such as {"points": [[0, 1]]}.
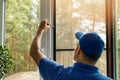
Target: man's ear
{"points": [[78, 49]]}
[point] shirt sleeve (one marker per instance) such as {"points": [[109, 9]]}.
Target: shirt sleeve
{"points": [[49, 69]]}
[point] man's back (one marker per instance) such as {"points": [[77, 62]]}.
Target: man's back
{"points": [[85, 52], [51, 70], [80, 71]]}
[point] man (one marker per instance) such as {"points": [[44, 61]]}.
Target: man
{"points": [[87, 53]]}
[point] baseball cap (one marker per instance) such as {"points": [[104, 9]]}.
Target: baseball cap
{"points": [[91, 44]]}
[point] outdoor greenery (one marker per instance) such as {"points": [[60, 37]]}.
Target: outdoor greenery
{"points": [[6, 62], [22, 18], [78, 15]]}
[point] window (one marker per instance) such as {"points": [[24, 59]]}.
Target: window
{"points": [[22, 18], [78, 15]]}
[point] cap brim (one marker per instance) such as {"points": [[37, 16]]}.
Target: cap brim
{"points": [[79, 35]]}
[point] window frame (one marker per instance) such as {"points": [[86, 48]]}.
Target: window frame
{"points": [[110, 31], [47, 44], [2, 21], [47, 38]]}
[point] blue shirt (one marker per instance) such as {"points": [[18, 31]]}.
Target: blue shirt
{"points": [[51, 70]]}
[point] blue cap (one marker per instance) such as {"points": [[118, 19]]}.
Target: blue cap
{"points": [[91, 44]]}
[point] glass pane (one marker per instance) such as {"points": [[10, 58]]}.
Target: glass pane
{"points": [[78, 15], [22, 18], [117, 26], [66, 58]]}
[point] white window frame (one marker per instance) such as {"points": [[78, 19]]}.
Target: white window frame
{"points": [[2, 21], [46, 12]]}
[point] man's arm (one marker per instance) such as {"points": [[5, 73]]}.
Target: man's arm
{"points": [[35, 52]]}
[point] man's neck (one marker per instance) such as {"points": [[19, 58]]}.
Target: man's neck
{"points": [[85, 62]]}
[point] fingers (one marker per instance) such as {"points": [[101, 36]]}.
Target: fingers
{"points": [[47, 22], [45, 25]]}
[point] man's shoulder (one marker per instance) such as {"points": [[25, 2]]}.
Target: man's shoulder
{"points": [[104, 77]]}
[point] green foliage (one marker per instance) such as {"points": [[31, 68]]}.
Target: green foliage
{"points": [[22, 18], [6, 62]]}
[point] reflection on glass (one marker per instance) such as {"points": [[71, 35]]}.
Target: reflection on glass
{"points": [[78, 15], [22, 17], [117, 38]]}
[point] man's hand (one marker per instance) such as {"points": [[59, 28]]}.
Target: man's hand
{"points": [[44, 25]]}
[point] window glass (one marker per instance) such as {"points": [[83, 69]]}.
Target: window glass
{"points": [[65, 57], [78, 15], [117, 38], [22, 18]]}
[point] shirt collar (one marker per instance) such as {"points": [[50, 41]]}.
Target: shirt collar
{"points": [[85, 67]]}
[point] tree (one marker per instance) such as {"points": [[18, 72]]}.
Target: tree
{"points": [[78, 15], [22, 17]]}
